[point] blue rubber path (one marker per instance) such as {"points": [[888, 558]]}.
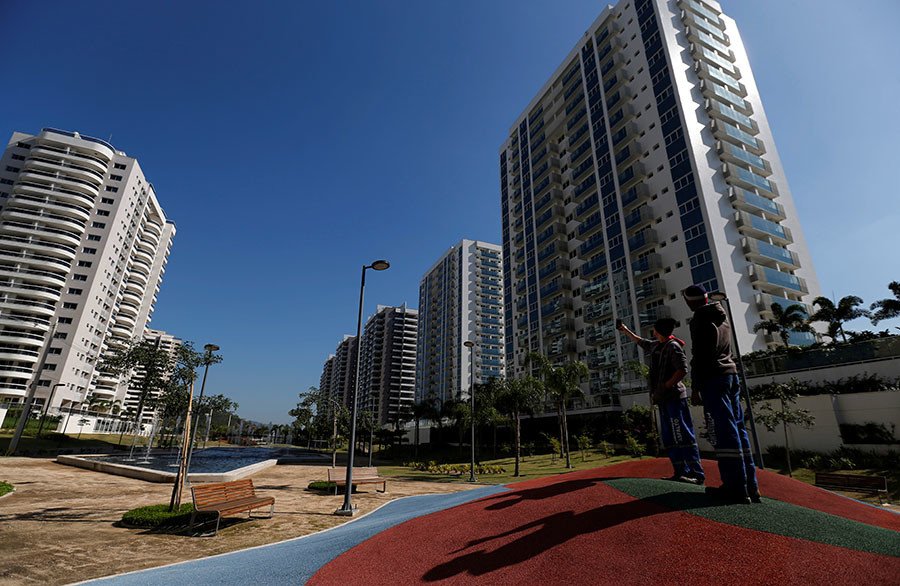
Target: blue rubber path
{"points": [[294, 561]]}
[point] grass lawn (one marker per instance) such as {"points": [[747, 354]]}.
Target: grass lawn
{"points": [[536, 466], [893, 482]]}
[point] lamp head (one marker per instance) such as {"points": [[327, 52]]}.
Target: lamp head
{"points": [[381, 265], [211, 348], [469, 344]]}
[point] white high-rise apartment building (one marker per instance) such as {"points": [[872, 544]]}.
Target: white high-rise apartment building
{"points": [[645, 164], [338, 378], [460, 299], [388, 363], [83, 247], [165, 342]]}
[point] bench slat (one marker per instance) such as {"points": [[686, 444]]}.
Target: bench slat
{"points": [[851, 481]]}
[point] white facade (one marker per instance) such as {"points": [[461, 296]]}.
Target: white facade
{"points": [[460, 299], [388, 363], [165, 342], [644, 164], [338, 379], [83, 245]]}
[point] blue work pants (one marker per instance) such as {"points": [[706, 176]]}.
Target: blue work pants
{"points": [[725, 423], [677, 432]]}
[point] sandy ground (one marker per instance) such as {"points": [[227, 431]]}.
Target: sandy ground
{"points": [[59, 526]]}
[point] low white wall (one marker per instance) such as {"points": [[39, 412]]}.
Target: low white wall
{"points": [[889, 369]]}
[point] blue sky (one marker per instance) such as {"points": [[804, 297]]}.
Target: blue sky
{"points": [[294, 141]]}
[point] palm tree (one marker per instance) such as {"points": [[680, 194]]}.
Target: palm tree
{"points": [[784, 321], [424, 409], [887, 308], [518, 396], [835, 315], [562, 383]]}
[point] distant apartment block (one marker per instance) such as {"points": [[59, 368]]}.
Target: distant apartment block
{"points": [[338, 380], [168, 344], [645, 163], [460, 299], [388, 369], [83, 247]]}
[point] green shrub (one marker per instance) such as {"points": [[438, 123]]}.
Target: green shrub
{"points": [[433, 467], [153, 516], [321, 485], [634, 447], [5, 487], [606, 448]]}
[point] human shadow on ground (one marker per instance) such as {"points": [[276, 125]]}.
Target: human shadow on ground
{"points": [[515, 497], [57, 515], [557, 529]]}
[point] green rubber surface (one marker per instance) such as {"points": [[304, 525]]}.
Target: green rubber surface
{"points": [[771, 516]]}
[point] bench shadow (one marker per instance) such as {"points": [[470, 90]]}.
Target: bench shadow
{"points": [[56, 515], [554, 530]]}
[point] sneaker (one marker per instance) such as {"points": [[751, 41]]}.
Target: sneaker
{"points": [[755, 497], [727, 496], [690, 480]]}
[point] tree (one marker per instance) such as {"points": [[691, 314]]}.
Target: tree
{"points": [[784, 321], [786, 395], [562, 383], [518, 397], [887, 308], [425, 409], [836, 315], [487, 411]]}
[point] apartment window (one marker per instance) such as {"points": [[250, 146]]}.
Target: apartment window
{"points": [[54, 351], [65, 320], [112, 189], [6, 181], [85, 263], [12, 169], [119, 166], [115, 177], [18, 158], [100, 225], [60, 335], [107, 200], [89, 250], [102, 213], [94, 237], [69, 305], [77, 277], [74, 291]]}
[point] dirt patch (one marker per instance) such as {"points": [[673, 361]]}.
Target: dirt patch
{"points": [[60, 524]]}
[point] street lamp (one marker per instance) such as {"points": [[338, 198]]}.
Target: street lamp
{"points": [[47, 407], [207, 359], [720, 296], [471, 345], [29, 395], [347, 508]]}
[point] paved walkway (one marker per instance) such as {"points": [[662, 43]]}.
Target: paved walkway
{"points": [[296, 560]]}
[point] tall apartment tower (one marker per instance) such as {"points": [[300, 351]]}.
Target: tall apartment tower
{"points": [[338, 378], [165, 342], [83, 248], [460, 299], [643, 165], [388, 369]]}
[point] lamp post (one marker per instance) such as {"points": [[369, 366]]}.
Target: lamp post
{"points": [[47, 407], [471, 345], [207, 359], [347, 508], [720, 296]]}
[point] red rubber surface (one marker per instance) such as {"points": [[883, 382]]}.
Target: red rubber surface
{"points": [[574, 529]]}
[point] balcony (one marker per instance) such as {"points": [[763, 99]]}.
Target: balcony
{"points": [[643, 240], [764, 303], [551, 231], [631, 175], [713, 90], [630, 153], [560, 346], [556, 286], [621, 116], [732, 153], [557, 265], [762, 229], [770, 279], [557, 305], [593, 266], [598, 287], [558, 325], [591, 245], [598, 310], [737, 175], [699, 9], [764, 253], [710, 73], [639, 217], [647, 264], [753, 203], [692, 20], [652, 290], [649, 316], [726, 113], [595, 334], [634, 196]]}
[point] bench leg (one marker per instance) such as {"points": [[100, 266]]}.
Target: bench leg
{"points": [[218, 520], [193, 514], [272, 510]]}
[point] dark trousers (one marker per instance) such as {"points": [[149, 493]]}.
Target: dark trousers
{"points": [[725, 423], [677, 432]]}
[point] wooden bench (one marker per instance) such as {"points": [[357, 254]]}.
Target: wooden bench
{"points": [[227, 498], [851, 482], [360, 476]]}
